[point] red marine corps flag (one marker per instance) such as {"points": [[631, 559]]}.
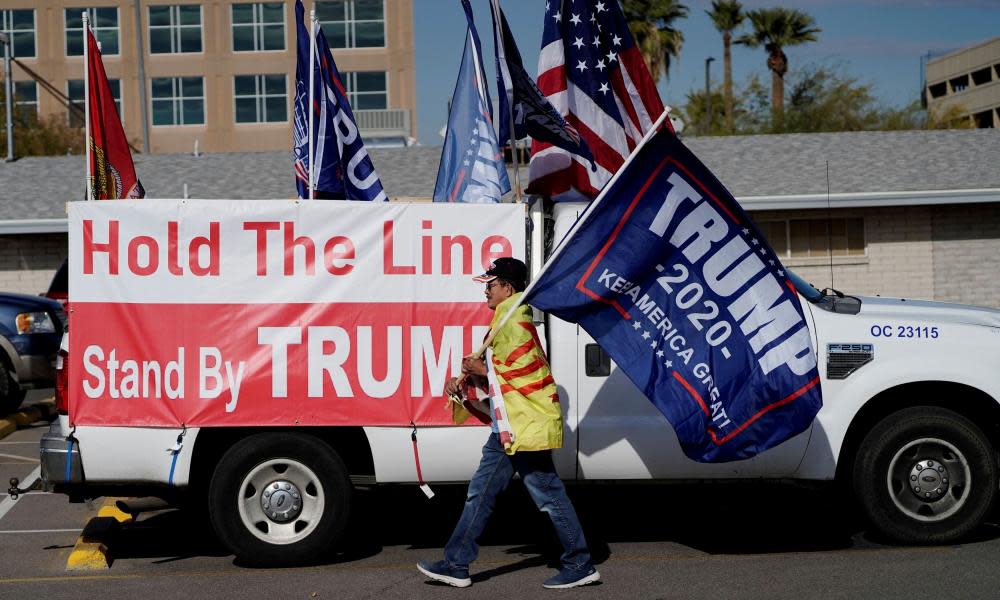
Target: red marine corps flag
{"points": [[110, 171]]}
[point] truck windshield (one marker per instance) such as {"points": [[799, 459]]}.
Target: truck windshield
{"points": [[804, 287]]}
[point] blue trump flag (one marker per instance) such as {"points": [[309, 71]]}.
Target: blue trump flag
{"points": [[343, 169], [472, 166], [669, 274]]}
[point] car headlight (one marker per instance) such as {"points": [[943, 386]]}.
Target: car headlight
{"points": [[35, 322]]}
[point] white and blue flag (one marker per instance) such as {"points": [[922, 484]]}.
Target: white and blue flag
{"points": [[342, 169], [472, 166]]}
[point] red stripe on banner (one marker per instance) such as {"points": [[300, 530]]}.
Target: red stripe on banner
{"points": [[552, 81], [611, 240], [160, 365], [763, 411], [693, 392]]}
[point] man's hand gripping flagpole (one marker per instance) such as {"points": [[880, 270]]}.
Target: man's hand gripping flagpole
{"points": [[481, 352]]}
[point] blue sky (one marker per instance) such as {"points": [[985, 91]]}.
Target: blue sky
{"points": [[880, 42]]}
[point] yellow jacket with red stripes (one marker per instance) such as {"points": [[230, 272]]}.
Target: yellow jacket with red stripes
{"points": [[529, 391]]}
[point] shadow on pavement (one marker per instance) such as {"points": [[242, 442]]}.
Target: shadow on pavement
{"points": [[717, 518]]}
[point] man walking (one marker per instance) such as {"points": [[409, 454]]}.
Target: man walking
{"points": [[516, 367]]}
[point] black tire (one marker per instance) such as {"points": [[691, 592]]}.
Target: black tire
{"points": [[248, 470], [925, 475], [11, 394]]}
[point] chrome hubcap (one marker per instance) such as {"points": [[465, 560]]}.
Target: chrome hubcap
{"points": [[929, 479], [281, 501]]}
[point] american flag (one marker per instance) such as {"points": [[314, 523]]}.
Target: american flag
{"points": [[592, 72]]}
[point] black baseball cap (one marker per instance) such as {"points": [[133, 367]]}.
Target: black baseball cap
{"points": [[508, 269]]}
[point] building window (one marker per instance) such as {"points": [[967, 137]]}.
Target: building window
{"points": [[366, 90], [74, 89], [20, 26], [814, 238], [178, 101], [258, 26], [104, 22], [352, 23], [260, 98], [26, 101], [174, 29]]}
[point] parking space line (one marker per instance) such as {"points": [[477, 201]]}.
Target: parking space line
{"points": [[8, 503], [27, 458], [72, 530]]}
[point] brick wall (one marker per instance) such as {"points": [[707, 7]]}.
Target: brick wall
{"points": [[966, 242], [27, 262], [899, 260]]}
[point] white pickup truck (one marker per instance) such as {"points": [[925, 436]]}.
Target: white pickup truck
{"points": [[910, 421]]}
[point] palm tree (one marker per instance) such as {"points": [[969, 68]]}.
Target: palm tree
{"points": [[652, 25], [727, 15], [776, 28]]}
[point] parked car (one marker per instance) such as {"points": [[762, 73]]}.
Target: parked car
{"points": [[59, 286], [30, 330]]}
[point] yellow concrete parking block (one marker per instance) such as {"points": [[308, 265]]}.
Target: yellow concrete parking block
{"points": [[27, 416], [115, 513], [91, 553]]}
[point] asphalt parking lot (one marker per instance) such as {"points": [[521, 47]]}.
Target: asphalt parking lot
{"points": [[747, 540]]}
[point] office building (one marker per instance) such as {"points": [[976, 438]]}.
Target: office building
{"points": [[218, 73]]}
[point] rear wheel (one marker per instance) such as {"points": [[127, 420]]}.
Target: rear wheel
{"points": [[926, 475], [279, 499]]}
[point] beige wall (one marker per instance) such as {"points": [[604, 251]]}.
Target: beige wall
{"points": [[217, 64], [27, 262]]}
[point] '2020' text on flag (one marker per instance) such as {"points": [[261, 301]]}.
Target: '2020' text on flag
{"points": [[672, 278], [472, 166], [592, 72], [111, 167], [342, 169]]}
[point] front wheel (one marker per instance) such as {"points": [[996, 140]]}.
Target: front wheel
{"points": [[11, 394], [926, 475], [279, 499]]}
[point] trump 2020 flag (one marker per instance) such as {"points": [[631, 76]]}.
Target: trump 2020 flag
{"points": [[675, 282], [111, 168], [342, 168], [533, 114], [472, 166]]}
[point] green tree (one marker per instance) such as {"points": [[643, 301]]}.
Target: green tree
{"points": [[727, 16], [46, 136], [652, 25], [776, 29]]}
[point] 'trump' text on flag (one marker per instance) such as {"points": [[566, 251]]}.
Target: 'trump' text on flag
{"points": [[340, 168], [672, 278]]}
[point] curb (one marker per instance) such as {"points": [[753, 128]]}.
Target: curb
{"points": [[43, 410], [90, 553]]}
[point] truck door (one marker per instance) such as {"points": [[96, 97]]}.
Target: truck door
{"points": [[621, 435]]}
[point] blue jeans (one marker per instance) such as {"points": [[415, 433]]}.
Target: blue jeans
{"points": [[539, 475]]}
